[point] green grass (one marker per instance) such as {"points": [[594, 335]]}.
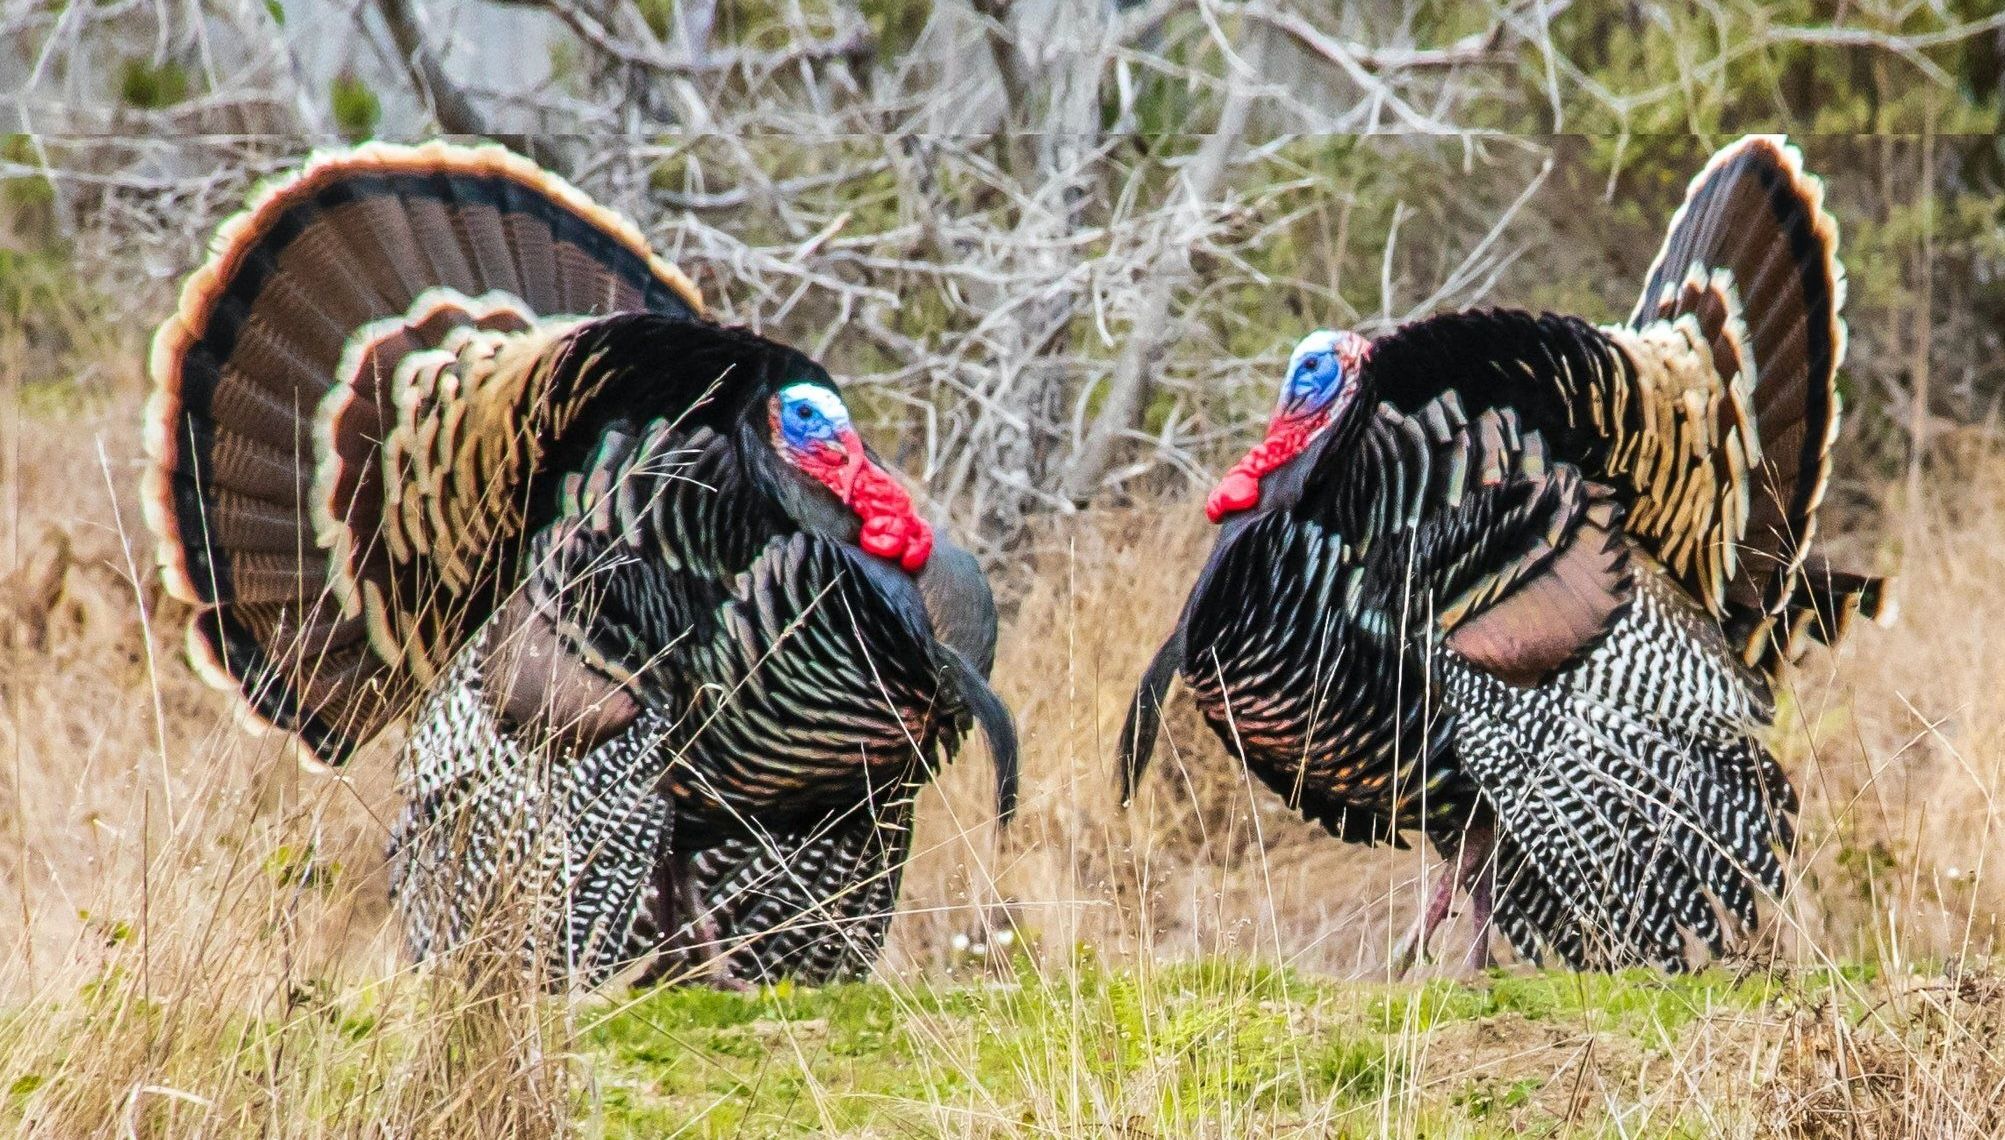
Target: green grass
{"points": [[1200, 1049]]}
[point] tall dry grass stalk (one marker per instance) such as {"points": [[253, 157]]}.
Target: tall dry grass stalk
{"points": [[171, 882]]}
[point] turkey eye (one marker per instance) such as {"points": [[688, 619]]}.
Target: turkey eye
{"points": [[803, 412]]}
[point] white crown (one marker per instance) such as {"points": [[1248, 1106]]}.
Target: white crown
{"points": [[1322, 340], [821, 399]]}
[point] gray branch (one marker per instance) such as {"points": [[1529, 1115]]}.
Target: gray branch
{"points": [[450, 106], [1150, 335]]}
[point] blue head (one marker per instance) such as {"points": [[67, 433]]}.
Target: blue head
{"points": [[812, 426], [811, 431], [1321, 384], [1323, 366]]}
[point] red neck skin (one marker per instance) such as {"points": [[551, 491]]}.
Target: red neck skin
{"points": [[892, 529], [1239, 490]]}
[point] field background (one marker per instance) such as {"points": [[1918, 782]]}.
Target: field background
{"points": [[1058, 252]]}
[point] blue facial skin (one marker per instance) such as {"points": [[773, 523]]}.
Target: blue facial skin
{"points": [[1312, 385], [810, 420]]}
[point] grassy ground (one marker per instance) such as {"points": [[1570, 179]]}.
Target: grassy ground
{"points": [[1206, 1048]]}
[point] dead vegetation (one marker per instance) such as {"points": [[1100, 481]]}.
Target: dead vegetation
{"points": [[178, 883]]}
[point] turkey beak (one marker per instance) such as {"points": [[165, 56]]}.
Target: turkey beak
{"points": [[853, 462]]}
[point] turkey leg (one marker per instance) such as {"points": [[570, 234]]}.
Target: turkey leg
{"points": [[1471, 862], [1482, 896], [691, 936]]}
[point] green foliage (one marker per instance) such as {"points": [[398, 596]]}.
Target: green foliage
{"points": [[26, 197], [1641, 1003], [897, 23], [356, 107], [24, 1086], [1213, 1047], [1868, 867], [57, 319], [151, 86], [659, 15], [1718, 70], [1485, 1097], [112, 931], [289, 867]]}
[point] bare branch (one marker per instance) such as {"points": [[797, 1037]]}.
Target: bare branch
{"points": [[1150, 333], [449, 104], [857, 43]]}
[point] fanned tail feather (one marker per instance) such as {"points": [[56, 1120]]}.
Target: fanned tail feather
{"points": [[270, 396], [1752, 257]]}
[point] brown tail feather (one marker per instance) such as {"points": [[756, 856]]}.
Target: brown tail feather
{"points": [[1753, 255], [1824, 606], [264, 497]]}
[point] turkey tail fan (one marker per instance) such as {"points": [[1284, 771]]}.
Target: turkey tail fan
{"points": [[1754, 258], [270, 404], [1637, 816]]}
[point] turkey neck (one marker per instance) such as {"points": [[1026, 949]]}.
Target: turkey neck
{"points": [[1333, 474], [811, 506], [953, 591]]}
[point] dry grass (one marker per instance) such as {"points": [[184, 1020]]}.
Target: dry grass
{"points": [[197, 941]]}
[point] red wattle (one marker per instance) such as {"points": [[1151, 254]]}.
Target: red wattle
{"points": [[891, 528], [1240, 489], [828, 463]]}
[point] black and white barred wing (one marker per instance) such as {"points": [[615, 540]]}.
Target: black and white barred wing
{"points": [[811, 903], [510, 842], [1638, 816]]}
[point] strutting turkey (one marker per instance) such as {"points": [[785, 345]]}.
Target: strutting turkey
{"points": [[432, 429], [1523, 584]]}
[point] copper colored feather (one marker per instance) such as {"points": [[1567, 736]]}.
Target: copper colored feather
{"points": [[1556, 615]]}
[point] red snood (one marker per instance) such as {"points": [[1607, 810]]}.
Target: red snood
{"points": [[1240, 489]]}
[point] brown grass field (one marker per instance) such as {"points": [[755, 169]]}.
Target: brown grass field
{"points": [[196, 938]]}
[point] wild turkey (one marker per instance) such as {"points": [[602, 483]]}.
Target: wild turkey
{"points": [[1522, 583], [430, 426]]}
